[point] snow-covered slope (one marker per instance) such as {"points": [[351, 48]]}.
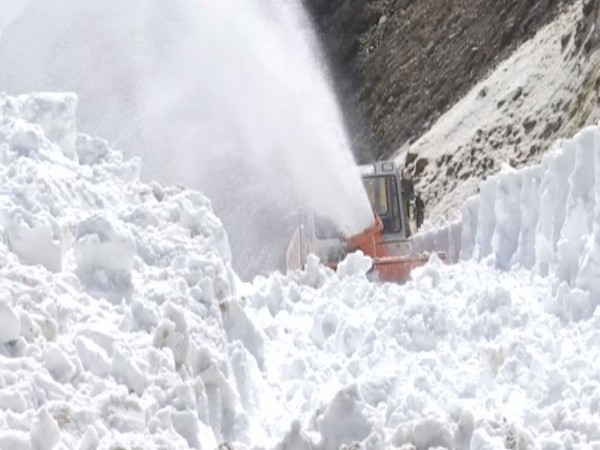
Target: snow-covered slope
{"points": [[548, 89], [123, 326]]}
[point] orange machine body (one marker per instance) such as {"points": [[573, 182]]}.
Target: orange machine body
{"points": [[388, 267]]}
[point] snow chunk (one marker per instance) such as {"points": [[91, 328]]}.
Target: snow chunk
{"points": [[197, 435], [508, 217], [90, 439], [35, 237], [10, 326], [314, 274], [127, 371], [296, 439], [425, 434], [15, 440], [93, 357], [25, 138], [356, 263], [483, 441], [12, 401], [104, 251], [55, 113], [45, 433], [91, 150], [59, 365], [238, 326], [195, 213], [348, 419], [172, 332], [122, 412]]}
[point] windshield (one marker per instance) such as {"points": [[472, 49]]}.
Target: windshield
{"points": [[383, 196], [377, 193]]}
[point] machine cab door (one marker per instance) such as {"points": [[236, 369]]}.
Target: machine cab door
{"points": [[390, 198], [384, 196]]}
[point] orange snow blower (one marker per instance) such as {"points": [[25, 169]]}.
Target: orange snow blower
{"points": [[388, 241]]}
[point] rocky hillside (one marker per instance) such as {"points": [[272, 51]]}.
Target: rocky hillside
{"points": [[399, 64], [545, 91]]}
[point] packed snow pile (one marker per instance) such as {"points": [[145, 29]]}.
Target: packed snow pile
{"points": [[110, 328], [122, 324], [464, 356], [496, 351]]}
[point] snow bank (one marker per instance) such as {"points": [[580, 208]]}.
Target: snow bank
{"points": [[496, 351], [462, 356], [111, 334], [545, 218], [122, 324]]}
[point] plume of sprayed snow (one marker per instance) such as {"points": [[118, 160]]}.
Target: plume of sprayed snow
{"points": [[190, 347], [226, 96], [9, 11], [258, 88]]}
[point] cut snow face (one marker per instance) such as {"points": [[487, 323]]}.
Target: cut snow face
{"points": [[110, 327], [545, 218], [122, 324]]}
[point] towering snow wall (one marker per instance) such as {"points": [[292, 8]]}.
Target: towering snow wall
{"points": [[545, 218], [112, 297]]}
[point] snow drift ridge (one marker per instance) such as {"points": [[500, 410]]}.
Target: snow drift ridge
{"points": [[545, 218]]}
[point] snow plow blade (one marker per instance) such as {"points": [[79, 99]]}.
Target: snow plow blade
{"points": [[388, 264], [397, 269]]}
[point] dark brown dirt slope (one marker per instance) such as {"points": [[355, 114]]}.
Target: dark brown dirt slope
{"points": [[399, 64]]}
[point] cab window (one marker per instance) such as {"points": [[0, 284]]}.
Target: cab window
{"points": [[383, 196], [377, 193]]}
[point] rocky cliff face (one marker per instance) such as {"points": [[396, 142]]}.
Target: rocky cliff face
{"points": [[399, 64], [546, 91]]}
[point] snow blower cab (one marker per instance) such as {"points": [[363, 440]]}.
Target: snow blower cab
{"points": [[388, 242]]}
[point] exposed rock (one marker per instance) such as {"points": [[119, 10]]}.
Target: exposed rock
{"points": [[420, 166], [534, 149], [551, 128], [564, 40], [588, 7], [400, 64], [529, 124], [410, 157], [518, 92]]}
